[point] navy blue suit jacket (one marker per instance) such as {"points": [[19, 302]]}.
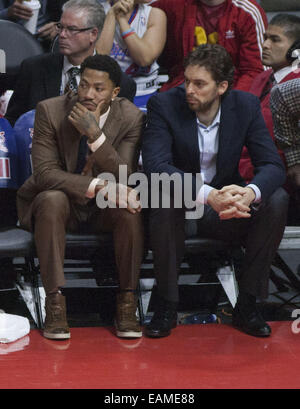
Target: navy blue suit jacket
{"points": [[170, 141]]}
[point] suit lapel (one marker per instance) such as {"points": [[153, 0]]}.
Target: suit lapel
{"points": [[70, 138], [227, 131], [113, 122], [189, 133]]}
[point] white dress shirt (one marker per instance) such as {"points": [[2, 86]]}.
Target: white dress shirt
{"points": [[208, 140], [281, 74], [93, 147]]}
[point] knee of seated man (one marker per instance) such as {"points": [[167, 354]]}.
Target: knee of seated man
{"points": [[52, 201], [130, 221], [278, 201]]}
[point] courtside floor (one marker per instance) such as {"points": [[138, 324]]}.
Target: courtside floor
{"points": [[193, 357]]}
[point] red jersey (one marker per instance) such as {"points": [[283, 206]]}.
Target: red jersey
{"points": [[240, 28]]}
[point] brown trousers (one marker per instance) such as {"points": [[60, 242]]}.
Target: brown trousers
{"points": [[54, 214]]}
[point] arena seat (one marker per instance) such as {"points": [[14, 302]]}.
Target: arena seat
{"points": [[16, 44], [18, 243], [23, 130], [8, 156]]}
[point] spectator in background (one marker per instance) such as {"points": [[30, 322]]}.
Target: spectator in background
{"points": [[237, 25], [134, 34], [285, 108], [49, 14], [48, 75], [280, 38]]}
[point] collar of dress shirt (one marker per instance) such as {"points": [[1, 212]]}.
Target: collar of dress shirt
{"points": [[103, 118], [279, 75], [215, 122], [67, 65]]}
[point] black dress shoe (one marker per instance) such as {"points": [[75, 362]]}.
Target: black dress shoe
{"points": [[249, 320], [161, 324]]}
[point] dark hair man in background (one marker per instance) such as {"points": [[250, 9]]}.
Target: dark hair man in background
{"points": [[281, 38]]}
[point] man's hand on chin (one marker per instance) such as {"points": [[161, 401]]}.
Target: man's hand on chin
{"points": [[85, 121]]}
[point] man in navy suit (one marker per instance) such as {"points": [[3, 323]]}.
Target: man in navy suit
{"points": [[203, 128]]}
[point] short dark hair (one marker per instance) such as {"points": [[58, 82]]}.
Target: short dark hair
{"points": [[103, 63], [289, 23], [215, 59]]}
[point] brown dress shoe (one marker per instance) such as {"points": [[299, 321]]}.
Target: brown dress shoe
{"points": [[126, 321], [56, 326]]}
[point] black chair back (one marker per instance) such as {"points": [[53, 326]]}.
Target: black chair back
{"points": [[18, 44]]}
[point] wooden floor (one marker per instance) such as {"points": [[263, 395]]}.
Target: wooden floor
{"points": [[194, 356]]}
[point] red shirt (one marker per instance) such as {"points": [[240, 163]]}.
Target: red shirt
{"points": [[207, 21], [240, 32], [245, 166]]}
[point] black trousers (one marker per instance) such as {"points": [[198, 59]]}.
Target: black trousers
{"points": [[260, 236]]}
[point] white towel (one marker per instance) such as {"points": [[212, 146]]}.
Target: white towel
{"points": [[13, 327]]}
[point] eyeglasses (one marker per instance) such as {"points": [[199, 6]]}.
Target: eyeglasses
{"points": [[71, 30]]}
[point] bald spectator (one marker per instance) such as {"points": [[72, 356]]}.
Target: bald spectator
{"points": [[237, 25]]}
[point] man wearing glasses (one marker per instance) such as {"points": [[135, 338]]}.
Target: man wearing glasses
{"points": [[53, 74]]}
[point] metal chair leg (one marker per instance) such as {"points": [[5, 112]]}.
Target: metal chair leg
{"points": [[35, 291]]}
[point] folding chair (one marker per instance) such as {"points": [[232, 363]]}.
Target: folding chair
{"points": [[18, 243]]}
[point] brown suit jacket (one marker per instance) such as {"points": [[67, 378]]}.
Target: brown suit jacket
{"points": [[55, 151]]}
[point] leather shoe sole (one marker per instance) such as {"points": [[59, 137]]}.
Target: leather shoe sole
{"points": [[58, 335], [129, 334]]}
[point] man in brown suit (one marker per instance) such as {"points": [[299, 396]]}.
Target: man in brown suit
{"points": [[60, 195]]}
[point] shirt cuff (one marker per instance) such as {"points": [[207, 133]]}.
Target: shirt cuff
{"points": [[206, 189], [203, 194], [98, 142], [256, 191], [91, 189]]}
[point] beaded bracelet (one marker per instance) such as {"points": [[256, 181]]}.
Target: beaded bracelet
{"points": [[127, 33]]}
